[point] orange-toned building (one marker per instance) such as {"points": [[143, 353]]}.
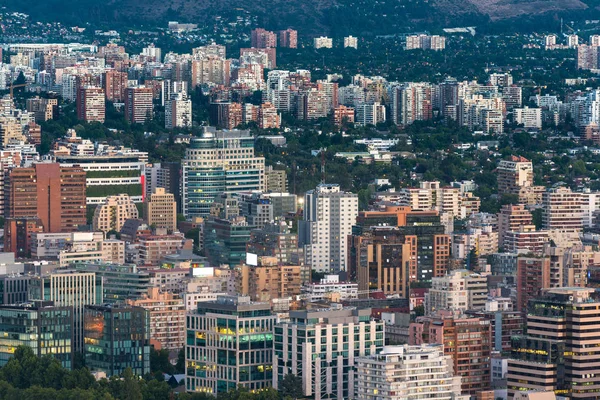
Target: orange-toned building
{"points": [[467, 340], [54, 194]]}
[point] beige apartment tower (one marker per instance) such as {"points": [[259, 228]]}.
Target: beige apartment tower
{"points": [[161, 210]]}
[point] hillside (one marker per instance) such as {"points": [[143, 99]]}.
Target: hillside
{"points": [[309, 16]]}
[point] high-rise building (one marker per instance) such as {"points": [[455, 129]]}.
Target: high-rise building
{"points": [[343, 114], [43, 109], [369, 114], [326, 367], [167, 318], [114, 84], [407, 373], [558, 352], [161, 209], [288, 38], [225, 240], [514, 174], [214, 362], [262, 39], [40, 325], [512, 218], [53, 193], [329, 214], [219, 162], [119, 282], [138, 104], [211, 69], [165, 175], [268, 280], [351, 41], [411, 102], [276, 240], [117, 338], [528, 117], [467, 340], [268, 118], [111, 215], [533, 276], [276, 180], [69, 289], [459, 290], [323, 42], [587, 56], [91, 105], [178, 112], [562, 209], [18, 234]]}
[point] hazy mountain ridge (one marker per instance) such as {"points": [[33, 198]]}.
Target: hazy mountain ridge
{"points": [[309, 16]]}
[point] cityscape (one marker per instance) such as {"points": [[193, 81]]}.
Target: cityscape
{"points": [[229, 203]]}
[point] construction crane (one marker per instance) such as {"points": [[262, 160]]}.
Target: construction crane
{"points": [[13, 86]]}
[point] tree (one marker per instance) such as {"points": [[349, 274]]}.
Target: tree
{"points": [[130, 389], [291, 385], [159, 362]]}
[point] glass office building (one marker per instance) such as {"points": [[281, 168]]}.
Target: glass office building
{"points": [[45, 328], [117, 338], [229, 343], [217, 162]]}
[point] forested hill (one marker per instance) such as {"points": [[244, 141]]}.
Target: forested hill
{"points": [[333, 17]]}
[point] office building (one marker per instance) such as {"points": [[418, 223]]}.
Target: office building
{"points": [[68, 288], [109, 174], [284, 204], [218, 162], [55, 194], [214, 362], [288, 38], [91, 105], [322, 347], [119, 282], [161, 210], [467, 340], [111, 215], [167, 318], [407, 373], [225, 240], [266, 280], [329, 215], [117, 338], [563, 209], [558, 352], [138, 104], [40, 325]]}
